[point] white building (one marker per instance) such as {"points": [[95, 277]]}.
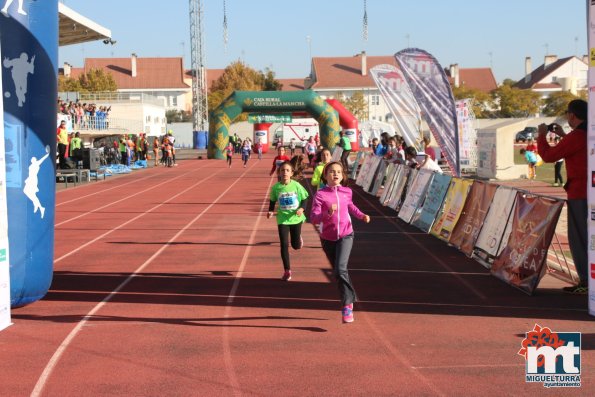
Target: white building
{"points": [[554, 75]]}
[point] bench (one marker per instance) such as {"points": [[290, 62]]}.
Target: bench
{"points": [[66, 174]]}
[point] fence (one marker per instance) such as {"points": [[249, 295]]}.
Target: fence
{"points": [[509, 231]]}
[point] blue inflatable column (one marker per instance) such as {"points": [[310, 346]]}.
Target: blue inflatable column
{"points": [[29, 34]]}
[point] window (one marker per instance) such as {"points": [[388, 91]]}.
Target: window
{"points": [[148, 119], [174, 101], [375, 100]]}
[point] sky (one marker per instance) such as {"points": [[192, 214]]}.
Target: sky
{"points": [[283, 35]]}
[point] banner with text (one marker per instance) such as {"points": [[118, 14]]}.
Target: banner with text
{"points": [[476, 208], [467, 134], [433, 94], [416, 195], [433, 202], [400, 100], [496, 225], [453, 205], [521, 263]]}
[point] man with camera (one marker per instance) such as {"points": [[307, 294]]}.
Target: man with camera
{"points": [[573, 149]]}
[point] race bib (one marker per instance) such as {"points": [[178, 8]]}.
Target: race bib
{"points": [[288, 201]]}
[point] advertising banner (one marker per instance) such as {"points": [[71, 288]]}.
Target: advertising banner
{"points": [[432, 203], [433, 94], [453, 205], [4, 264], [476, 208], [521, 263], [371, 172], [416, 195], [379, 177], [391, 173], [400, 100], [467, 134], [591, 141], [399, 187], [496, 225], [363, 170], [359, 158]]}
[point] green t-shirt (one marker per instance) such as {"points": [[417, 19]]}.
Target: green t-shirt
{"points": [[346, 143], [288, 198]]}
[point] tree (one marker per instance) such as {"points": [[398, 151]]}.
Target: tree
{"points": [[481, 102], [240, 77], [356, 104], [514, 102], [178, 116], [509, 82], [68, 84], [557, 102], [97, 80]]}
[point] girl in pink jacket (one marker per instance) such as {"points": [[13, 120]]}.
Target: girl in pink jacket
{"points": [[331, 209]]}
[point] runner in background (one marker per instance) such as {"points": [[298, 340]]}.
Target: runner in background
{"points": [[279, 159], [325, 157], [229, 150]]}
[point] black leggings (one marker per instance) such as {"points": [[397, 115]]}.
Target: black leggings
{"points": [[285, 231]]}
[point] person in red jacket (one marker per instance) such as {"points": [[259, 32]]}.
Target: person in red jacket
{"points": [[573, 149], [279, 159]]}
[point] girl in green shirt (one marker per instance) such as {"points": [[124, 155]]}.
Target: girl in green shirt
{"points": [[291, 197]]}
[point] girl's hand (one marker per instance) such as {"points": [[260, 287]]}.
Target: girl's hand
{"points": [[299, 212], [332, 210], [366, 218], [269, 214]]}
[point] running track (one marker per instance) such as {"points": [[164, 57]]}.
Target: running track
{"points": [[167, 283]]}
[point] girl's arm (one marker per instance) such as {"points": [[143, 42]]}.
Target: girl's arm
{"points": [[271, 208], [316, 211], [316, 176]]}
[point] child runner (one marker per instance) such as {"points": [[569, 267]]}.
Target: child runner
{"points": [[331, 209], [291, 196], [229, 149], [325, 157], [531, 158], [311, 149], [246, 149], [279, 159]]}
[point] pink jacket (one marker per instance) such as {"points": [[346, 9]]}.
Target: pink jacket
{"points": [[338, 225]]}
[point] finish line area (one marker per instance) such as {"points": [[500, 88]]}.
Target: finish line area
{"points": [[167, 281]]}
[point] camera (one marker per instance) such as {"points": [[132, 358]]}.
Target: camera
{"points": [[551, 127]]}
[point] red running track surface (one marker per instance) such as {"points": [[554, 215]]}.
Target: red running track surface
{"points": [[167, 282]]}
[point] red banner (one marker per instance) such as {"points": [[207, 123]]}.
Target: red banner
{"points": [[521, 263], [474, 212]]}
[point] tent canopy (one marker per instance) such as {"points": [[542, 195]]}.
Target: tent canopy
{"points": [[75, 28]]}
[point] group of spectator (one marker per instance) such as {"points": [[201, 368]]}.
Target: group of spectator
{"points": [[86, 115], [395, 150], [70, 146]]}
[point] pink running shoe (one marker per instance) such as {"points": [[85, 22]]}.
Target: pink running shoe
{"points": [[286, 275], [347, 313]]}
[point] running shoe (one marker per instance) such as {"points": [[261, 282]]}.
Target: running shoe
{"points": [[347, 313], [286, 275], [576, 290]]}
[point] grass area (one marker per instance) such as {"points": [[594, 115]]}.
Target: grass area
{"points": [[545, 172]]}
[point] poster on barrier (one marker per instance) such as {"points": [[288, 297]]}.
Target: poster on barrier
{"points": [[391, 172], [378, 178], [474, 212], [433, 202], [416, 195], [371, 173], [400, 184], [591, 158], [400, 174], [359, 158], [453, 205], [406, 186], [496, 225], [363, 170], [521, 263], [337, 152]]}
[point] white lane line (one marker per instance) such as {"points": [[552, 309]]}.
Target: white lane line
{"points": [[49, 368], [127, 197], [103, 190], [229, 367], [469, 286], [82, 246]]}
